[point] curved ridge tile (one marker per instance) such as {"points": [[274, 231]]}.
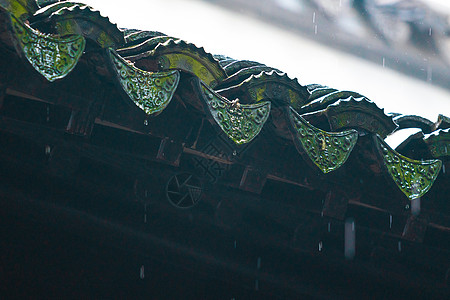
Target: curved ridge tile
{"points": [[221, 57], [312, 86], [141, 35], [151, 92], [238, 65], [179, 55], [225, 62], [321, 98], [240, 122], [21, 9], [410, 121], [53, 57], [47, 10], [243, 74], [277, 88], [327, 150], [413, 177], [145, 46], [43, 3], [438, 143], [128, 31], [361, 114], [78, 18], [319, 91]]}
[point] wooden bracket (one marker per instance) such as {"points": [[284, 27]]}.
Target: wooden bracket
{"points": [[335, 205], [253, 180], [81, 122], [170, 152], [415, 229]]}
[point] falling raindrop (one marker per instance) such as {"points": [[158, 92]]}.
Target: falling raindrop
{"points": [[443, 166], [315, 29], [141, 273], [384, 60], [329, 227], [429, 74], [350, 239], [399, 246], [258, 263], [145, 209], [48, 149], [390, 221], [235, 244], [320, 246], [314, 17], [415, 206], [429, 32], [48, 113], [145, 122]]}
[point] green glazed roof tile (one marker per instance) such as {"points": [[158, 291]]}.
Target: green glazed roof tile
{"points": [[240, 122], [78, 18], [327, 150], [53, 57], [151, 92], [413, 177], [361, 114]]}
